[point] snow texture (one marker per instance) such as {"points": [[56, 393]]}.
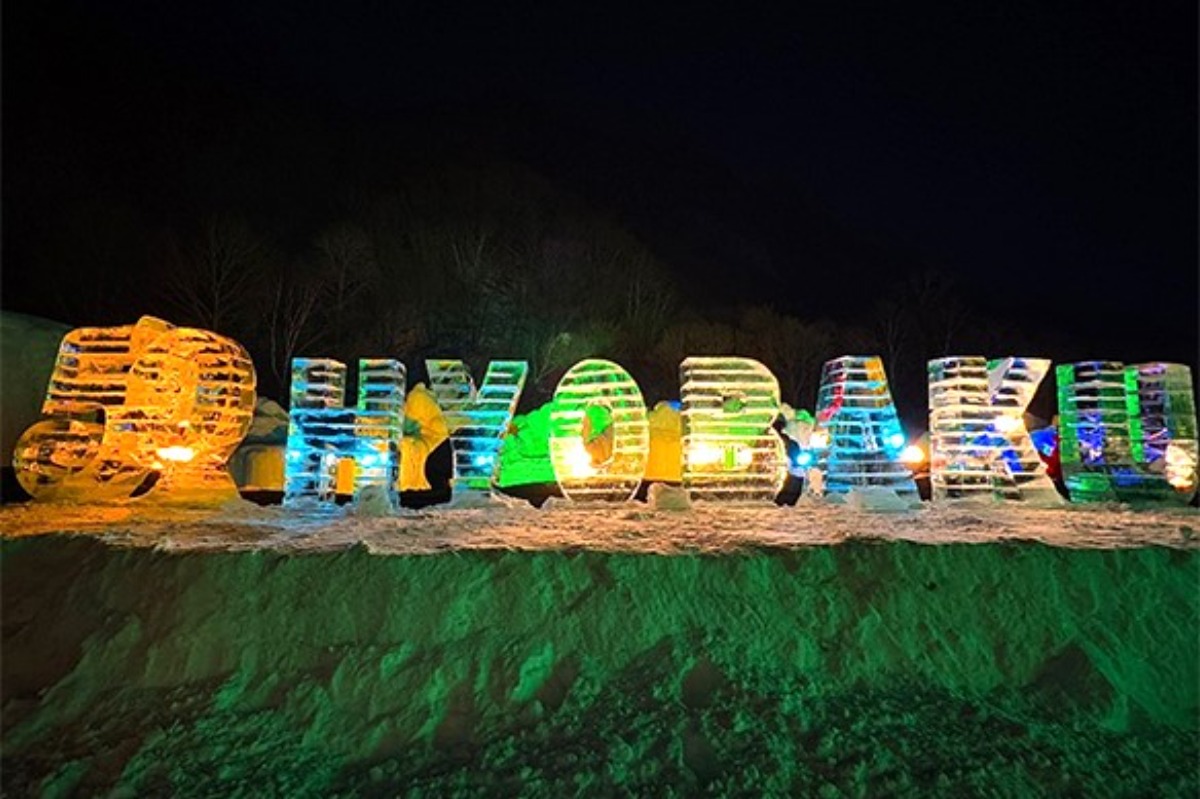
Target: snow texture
{"points": [[505, 524]]}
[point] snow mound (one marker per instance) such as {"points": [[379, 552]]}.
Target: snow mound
{"points": [[28, 348], [666, 497], [858, 670], [877, 499]]}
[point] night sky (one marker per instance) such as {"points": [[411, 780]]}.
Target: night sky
{"points": [[1042, 155]]}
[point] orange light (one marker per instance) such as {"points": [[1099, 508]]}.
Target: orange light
{"points": [[176, 454]]}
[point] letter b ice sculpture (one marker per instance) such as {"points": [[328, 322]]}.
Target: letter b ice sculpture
{"points": [[322, 431]]}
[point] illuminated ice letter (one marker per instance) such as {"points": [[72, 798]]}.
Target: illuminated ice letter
{"points": [[1162, 419], [126, 403], [599, 433], [857, 436], [1127, 433], [322, 431], [477, 418], [730, 449], [979, 447]]}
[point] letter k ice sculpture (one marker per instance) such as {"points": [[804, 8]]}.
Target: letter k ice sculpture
{"points": [[857, 437], [979, 447]]}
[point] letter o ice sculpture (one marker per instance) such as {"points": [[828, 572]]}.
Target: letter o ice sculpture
{"points": [[599, 432], [730, 449], [126, 402], [861, 431], [979, 447], [322, 431]]}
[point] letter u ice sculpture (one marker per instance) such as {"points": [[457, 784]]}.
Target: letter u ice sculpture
{"points": [[1127, 433], [477, 418], [859, 429], [979, 447], [322, 431]]}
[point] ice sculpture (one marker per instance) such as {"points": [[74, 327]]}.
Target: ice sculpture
{"points": [[147, 408], [730, 449], [979, 447], [857, 438], [1127, 433], [322, 431], [477, 418], [599, 433]]}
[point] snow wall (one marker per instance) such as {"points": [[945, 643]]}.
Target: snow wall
{"points": [[28, 347], [862, 669]]}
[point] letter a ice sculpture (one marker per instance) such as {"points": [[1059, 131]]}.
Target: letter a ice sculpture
{"points": [[857, 436], [476, 418], [979, 447], [730, 450], [322, 431], [599, 433], [1127, 433], [125, 403]]}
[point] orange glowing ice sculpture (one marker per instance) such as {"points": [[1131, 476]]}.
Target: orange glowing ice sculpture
{"points": [[146, 409], [599, 432]]}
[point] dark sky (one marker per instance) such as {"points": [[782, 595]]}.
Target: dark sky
{"points": [[1044, 154]]}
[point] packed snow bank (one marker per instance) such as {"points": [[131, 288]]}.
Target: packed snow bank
{"points": [[28, 347], [865, 668], [505, 523]]}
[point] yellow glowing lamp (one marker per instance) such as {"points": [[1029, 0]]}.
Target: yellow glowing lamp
{"points": [[913, 455], [599, 432], [127, 401], [730, 450]]}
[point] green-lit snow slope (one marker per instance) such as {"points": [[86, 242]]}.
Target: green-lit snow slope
{"points": [[864, 669]]}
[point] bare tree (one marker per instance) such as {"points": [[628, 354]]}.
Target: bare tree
{"points": [[290, 317], [213, 279], [346, 257]]}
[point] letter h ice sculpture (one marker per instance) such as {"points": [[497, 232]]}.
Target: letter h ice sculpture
{"points": [[322, 431]]}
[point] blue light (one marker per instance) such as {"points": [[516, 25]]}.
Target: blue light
{"points": [[370, 459], [803, 459], [896, 441], [482, 460]]}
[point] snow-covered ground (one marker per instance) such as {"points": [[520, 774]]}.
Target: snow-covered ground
{"points": [[252, 651], [501, 524]]}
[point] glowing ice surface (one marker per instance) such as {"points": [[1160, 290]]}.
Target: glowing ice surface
{"points": [[979, 447], [599, 433], [1127, 433], [322, 431], [857, 437], [730, 449], [477, 418], [125, 403]]}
